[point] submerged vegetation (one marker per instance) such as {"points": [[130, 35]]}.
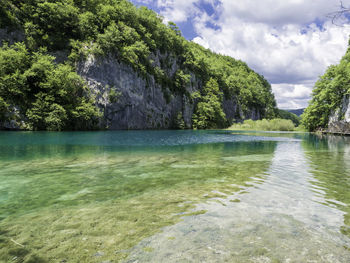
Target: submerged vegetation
{"points": [[331, 173], [76, 203], [265, 125], [57, 34], [65, 200]]}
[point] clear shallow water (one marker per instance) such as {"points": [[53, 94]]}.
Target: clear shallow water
{"points": [[174, 196]]}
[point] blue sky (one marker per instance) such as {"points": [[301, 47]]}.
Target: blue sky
{"points": [[290, 42], [186, 27]]}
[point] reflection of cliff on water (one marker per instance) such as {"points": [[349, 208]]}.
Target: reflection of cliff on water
{"points": [[91, 199], [330, 164]]}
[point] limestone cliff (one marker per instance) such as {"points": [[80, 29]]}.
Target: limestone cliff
{"points": [[129, 101], [339, 121], [141, 73]]}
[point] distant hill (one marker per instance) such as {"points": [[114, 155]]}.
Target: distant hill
{"points": [[284, 114], [297, 112]]}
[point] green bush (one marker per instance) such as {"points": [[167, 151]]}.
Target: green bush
{"points": [[209, 113], [7, 15], [113, 95], [49, 96], [180, 123], [4, 110], [265, 125]]}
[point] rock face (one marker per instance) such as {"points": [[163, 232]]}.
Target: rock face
{"points": [[10, 37], [339, 121], [129, 101]]}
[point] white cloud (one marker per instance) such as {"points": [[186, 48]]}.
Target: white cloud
{"points": [[284, 56], [177, 10], [290, 42], [292, 96], [283, 40], [278, 12]]}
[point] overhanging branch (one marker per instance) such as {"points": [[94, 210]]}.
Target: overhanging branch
{"points": [[336, 16]]}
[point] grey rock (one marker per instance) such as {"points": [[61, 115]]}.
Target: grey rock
{"points": [[10, 36], [141, 103], [16, 120], [129, 100], [339, 120], [99, 254]]}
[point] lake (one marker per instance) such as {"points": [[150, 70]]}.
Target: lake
{"points": [[174, 196]]}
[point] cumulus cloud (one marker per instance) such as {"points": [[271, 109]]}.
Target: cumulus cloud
{"points": [[178, 10], [274, 12], [292, 96], [290, 42]]}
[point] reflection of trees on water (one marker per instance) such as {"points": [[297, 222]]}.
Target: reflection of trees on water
{"points": [[329, 158]]}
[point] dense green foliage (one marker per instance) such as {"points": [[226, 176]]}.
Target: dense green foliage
{"points": [[297, 112], [283, 114], [49, 96], [138, 37], [209, 113], [265, 125], [327, 95]]}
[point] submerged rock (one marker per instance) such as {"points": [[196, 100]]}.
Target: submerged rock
{"points": [[99, 254]]}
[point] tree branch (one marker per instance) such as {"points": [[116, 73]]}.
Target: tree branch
{"points": [[336, 16]]}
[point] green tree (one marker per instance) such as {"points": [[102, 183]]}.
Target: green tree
{"points": [[283, 114], [132, 35], [48, 96], [209, 112], [45, 114], [327, 95], [4, 110]]}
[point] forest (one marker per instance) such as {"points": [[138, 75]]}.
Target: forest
{"points": [[36, 84], [327, 95]]}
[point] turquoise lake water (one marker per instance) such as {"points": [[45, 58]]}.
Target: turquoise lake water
{"points": [[174, 196]]}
